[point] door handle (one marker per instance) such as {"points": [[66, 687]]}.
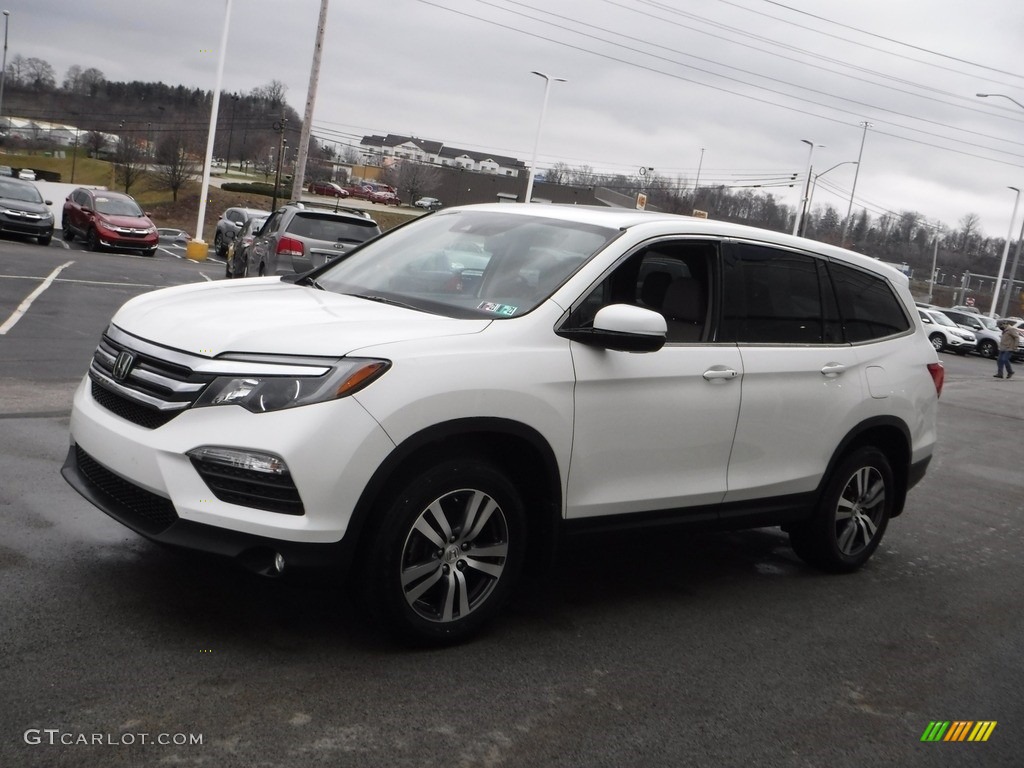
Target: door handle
{"points": [[833, 369], [720, 372]]}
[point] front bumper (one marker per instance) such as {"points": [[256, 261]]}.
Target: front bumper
{"points": [[143, 477], [154, 517]]}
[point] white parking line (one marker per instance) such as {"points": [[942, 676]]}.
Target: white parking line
{"points": [[11, 321]]}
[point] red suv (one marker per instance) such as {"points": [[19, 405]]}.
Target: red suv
{"points": [[108, 220]]}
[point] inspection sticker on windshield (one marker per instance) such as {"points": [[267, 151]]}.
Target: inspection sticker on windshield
{"points": [[498, 309]]}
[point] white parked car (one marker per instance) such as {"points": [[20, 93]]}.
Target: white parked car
{"points": [[944, 334], [27, 174], [435, 423]]}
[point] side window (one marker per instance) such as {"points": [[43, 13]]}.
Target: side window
{"points": [[869, 308], [270, 224], [671, 278], [773, 296]]}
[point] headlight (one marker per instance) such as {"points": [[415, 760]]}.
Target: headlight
{"points": [[261, 393]]}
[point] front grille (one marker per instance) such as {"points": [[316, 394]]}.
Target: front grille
{"points": [[259, 490], [141, 509], [136, 413], [153, 390]]}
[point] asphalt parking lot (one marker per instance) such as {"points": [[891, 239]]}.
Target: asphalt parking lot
{"points": [[638, 650]]}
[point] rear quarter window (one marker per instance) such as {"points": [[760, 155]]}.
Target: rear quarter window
{"points": [[868, 306]]}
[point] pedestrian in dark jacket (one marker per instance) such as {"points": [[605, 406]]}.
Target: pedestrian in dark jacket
{"points": [[1008, 344]]}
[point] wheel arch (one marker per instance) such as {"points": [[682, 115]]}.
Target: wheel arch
{"points": [[512, 447], [891, 436]]}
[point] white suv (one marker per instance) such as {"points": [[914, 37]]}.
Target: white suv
{"points": [[944, 334], [436, 409]]}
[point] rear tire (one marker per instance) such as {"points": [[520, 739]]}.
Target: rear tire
{"points": [[938, 341], [851, 516], [67, 233], [446, 552]]}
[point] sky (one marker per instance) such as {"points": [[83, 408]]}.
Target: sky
{"points": [[731, 92]]}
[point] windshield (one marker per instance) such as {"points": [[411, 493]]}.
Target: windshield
{"points": [[988, 322], [24, 192], [941, 319], [469, 263], [117, 206]]}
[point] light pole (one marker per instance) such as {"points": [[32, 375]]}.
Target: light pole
{"points": [[231, 131], [696, 184], [817, 176], [540, 124], [3, 72], [1006, 251], [798, 220], [1016, 254], [849, 208]]}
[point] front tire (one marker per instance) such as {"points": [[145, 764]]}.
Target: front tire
{"points": [[988, 348], [45, 239], [92, 240], [851, 516], [446, 553]]}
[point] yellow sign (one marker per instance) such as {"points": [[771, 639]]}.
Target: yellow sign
{"points": [[700, 214], [641, 201]]}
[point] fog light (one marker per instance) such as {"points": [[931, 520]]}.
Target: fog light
{"points": [[254, 461], [279, 563]]}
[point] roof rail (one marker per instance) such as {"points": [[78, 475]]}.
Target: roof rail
{"points": [[335, 207]]}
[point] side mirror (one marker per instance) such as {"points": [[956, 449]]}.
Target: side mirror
{"points": [[622, 328]]}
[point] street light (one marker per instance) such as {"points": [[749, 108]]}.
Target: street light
{"points": [[1006, 250], [3, 72], [1016, 255], [798, 220], [981, 95], [540, 124], [817, 176]]}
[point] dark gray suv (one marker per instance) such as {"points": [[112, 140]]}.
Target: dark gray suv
{"points": [[299, 237]]}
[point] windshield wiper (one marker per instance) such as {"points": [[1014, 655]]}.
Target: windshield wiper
{"points": [[384, 300], [302, 279]]}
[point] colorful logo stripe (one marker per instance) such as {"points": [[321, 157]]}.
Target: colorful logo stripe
{"points": [[958, 730]]}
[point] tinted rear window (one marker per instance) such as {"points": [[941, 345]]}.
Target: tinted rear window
{"points": [[869, 308], [319, 227]]}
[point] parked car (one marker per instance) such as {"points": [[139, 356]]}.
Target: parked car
{"points": [[384, 197], [172, 236], [299, 237], [27, 174], [367, 190], [442, 435], [108, 220], [328, 188], [23, 210], [238, 250], [230, 223], [982, 326], [428, 202], [945, 335]]}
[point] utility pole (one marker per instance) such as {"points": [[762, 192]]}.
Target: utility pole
{"points": [[849, 208], [298, 177]]}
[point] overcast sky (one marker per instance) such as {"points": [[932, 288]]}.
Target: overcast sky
{"points": [[729, 87]]}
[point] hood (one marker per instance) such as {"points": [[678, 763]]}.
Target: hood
{"points": [[267, 316], [24, 205], [136, 222]]}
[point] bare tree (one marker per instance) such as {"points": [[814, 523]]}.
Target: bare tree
{"points": [[95, 142], [273, 92], [91, 80], [16, 70], [73, 79], [129, 160], [412, 179], [39, 74], [176, 164]]}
